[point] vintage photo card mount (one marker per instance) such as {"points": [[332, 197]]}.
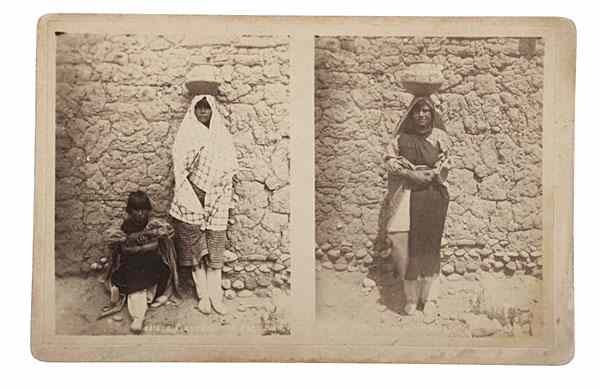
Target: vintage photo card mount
{"points": [[304, 189]]}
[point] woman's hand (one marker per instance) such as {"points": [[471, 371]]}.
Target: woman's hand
{"points": [[149, 246], [420, 177], [200, 194], [136, 237], [398, 166], [140, 248]]}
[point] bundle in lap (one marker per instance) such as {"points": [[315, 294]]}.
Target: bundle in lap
{"points": [[154, 265]]}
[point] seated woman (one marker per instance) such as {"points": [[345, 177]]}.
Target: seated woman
{"points": [[143, 261]]}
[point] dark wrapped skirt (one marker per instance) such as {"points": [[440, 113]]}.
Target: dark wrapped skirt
{"points": [[141, 271], [428, 208]]}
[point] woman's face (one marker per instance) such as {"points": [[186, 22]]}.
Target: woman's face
{"points": [[422, 115], [203, 113], [140, 216]]}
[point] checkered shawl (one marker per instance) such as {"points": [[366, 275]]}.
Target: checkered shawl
{"points": [[205, 157]]}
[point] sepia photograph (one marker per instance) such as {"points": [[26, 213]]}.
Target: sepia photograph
{"points": [[428, 186], [421, 212], [172, 184]]}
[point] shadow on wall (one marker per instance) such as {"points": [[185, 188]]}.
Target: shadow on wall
{"points": [[119, 103], [491, 103]]}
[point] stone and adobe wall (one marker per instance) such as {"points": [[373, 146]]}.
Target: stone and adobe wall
{"points": [[491, 103], [119, 103]]}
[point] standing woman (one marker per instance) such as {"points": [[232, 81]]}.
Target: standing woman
{"points": [[414, 211], [204, 165]]}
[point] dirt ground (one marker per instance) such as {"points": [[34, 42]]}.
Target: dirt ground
{"points": [[343, 306], [485, 304], [79, 301]]}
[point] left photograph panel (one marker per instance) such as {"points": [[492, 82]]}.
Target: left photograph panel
{"points": [[172, 185]]}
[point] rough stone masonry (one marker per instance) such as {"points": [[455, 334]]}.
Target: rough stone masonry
{"points": [[491, 103], [119, 103]]}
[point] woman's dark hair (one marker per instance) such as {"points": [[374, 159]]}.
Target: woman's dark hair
{"points": [[421, 103], [138, 200], [202, 103], [407, 123]]}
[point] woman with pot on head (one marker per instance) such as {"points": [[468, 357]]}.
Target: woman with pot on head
{"points": [[204, 166], [414, 210]]}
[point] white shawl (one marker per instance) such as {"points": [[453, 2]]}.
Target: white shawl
{"points": [[205, 156]]}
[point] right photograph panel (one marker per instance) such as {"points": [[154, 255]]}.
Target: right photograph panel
{"points": [[428, 185]]}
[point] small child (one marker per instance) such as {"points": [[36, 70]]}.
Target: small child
{"points": [[142, 272]]}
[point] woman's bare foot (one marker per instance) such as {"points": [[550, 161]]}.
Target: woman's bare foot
{"points": [[410, 309], [218, 306], [204, 305], [136, 325], [429, 312], [114, 295], [159, 301]]}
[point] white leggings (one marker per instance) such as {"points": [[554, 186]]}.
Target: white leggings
{"points": [[137, 302], [423, 289]]}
